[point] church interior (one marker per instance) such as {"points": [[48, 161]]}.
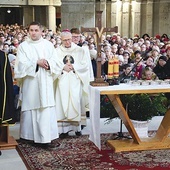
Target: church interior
{"points": [[123, 22]]}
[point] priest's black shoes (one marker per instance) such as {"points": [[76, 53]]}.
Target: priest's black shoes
{"points": [[66, 135], [83, 126], [78, 133], [63, 135], [48, 146], [26, 141]]}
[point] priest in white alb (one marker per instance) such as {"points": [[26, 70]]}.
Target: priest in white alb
{"points": [[35, 73], [71, 85]]}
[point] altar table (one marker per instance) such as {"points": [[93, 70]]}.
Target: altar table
{"points": [[159, 141]]}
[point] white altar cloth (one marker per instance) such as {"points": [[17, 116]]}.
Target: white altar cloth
{"points": [[94, 104]]}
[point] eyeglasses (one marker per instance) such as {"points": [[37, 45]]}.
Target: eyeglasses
{"points": [[75, 36], [65, 40]]}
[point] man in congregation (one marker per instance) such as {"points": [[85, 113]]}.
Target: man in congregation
{"points": [[76, 36], [34, 71], [76, 39], [71, 85]]}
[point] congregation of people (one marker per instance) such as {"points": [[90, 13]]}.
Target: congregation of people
{"points": [[53, 70], [152, 52]]}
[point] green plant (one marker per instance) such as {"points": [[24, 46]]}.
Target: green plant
{"points": [[140, 107], [106, 108], [143, 107]]}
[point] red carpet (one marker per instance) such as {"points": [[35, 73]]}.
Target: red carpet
{"points": [[79, 153]]}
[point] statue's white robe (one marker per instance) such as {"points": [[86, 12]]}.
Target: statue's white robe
{"points": [[36, 91], [71, 88]]}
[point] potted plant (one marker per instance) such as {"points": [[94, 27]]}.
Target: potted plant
{"points": [[107, 110], [141, 108]]}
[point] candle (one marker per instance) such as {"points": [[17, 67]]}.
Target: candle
{"points": [[115, 67], [110, 69]]}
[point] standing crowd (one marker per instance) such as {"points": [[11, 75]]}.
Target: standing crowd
{"points": [[53, 71]]}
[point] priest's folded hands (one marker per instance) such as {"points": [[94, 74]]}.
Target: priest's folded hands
{"points": [[43, 63], [68, 67]]}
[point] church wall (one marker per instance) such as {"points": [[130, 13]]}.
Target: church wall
{"points": [[77, 13], [131, 16], [28, 13], [13, 2], [135, 24], [41, 14], [143, 19], [140, 16], [101, 6], [163, 18], [43, 11], [108, 15], [116, 15], [51, 15], [156, 18], [125, 19], [149, 18], [44, 2], [31, 2]]}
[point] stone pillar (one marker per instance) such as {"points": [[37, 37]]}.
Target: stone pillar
{"points": [[149, 17], [51, 17], [163, 18], [116, 14], [108, 15], [101, 6], [125, 18], [28, 15], [77, 13], [135, 18]]}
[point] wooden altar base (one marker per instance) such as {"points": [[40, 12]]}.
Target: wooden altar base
{"points": [[146, 144], [6, 141], [10, 145]]}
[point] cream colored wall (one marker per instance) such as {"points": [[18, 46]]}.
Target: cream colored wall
{"points": [[13, 2], [140, 16], [77, 13], [28, 13], [31, 2], [44, 2], [43, 11], [131, 16]]}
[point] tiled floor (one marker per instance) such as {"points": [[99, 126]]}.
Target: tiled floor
{"points": [[10, 160]]}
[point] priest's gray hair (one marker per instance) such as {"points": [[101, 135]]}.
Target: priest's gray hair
{"points": [[65, 33]]}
